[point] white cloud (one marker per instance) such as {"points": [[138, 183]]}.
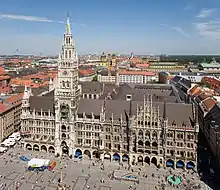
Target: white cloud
{"points": [[209, 29], [180, 30], [204, 13], [27, 18], [33, 19]]}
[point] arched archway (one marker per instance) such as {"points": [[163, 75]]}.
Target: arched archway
{"points": [[125, 158], [140, 159], [154, 161], [65, 148], [36, 147], [107, 156], [170, 163], [140, 143], [154, 135], [180, 164], [28, 146], [147, 143], [147, 160], [51, 149], [140, 133], [154, 144], [95, 154], [63, 128], [78, 153], [147, 134], [116, 157], [87, 153], [63, 135], [190, 165], [44, 148]]}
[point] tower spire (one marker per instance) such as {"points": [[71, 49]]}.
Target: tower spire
{"points": [[68, 30]]}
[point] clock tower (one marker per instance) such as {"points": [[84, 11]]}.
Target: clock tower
{"points": [[66, 96]]}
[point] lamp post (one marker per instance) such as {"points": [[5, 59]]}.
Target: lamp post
{"points": [[61, 185]]}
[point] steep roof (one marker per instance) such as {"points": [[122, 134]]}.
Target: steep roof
{"points": [[180, 113], [43, 103]]}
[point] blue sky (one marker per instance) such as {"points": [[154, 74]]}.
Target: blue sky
{"points": [[120, 26]]}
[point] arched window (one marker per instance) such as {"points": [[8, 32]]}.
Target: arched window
{"points": [[70, 53], [147, 134], [67, 40], [140, 133], [67, 84], [66, 54], [154, 134]]}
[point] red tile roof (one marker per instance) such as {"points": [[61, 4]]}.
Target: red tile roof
{"points": [[209, 103], [15, 99], [86, 71], [142, 65], [4, 77], [4, 107]]}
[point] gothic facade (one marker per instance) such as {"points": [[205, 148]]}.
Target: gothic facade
{"points": [[128, 123]]}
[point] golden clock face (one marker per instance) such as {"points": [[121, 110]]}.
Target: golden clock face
{"points": [[64, 72]]}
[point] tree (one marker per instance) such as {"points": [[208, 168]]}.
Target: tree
{"points": [[95, 79]]}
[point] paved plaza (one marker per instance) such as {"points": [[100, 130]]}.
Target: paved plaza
{"points": [[80, 175]]}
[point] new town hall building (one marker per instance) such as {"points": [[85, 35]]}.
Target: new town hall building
{"points": [[119, 122]]}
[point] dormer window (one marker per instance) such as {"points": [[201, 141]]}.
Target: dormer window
{"points": [[128, 97]]}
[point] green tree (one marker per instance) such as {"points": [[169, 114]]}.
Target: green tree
{"points": [[95, 79]]}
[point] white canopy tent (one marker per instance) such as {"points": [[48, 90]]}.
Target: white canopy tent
{"points": [[36, 162]]}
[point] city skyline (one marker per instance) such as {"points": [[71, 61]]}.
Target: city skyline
{"points": [[157, 27]]}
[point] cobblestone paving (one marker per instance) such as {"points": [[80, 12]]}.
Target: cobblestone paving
{"points": [[79, 175]]}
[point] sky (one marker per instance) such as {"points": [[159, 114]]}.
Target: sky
{"points": [[117, 26]]}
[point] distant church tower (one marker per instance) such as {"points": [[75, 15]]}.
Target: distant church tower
{"points": [[67, 94]]}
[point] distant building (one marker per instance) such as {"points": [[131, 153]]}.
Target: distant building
{"points": [[194, 77], [86, 75], [5, 82], [10, 115], [127, 76], [212, 66], [139, 124], [108, 61], [209, 120], [166, 67]]}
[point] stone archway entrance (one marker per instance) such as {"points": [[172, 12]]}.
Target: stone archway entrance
{"points": [[154, 161], [28, 147], [96, 154], [51, 149], [44, 148], [36, 147], [87, 153], [147, 160]]}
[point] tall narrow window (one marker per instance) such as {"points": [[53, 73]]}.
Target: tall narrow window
{"points": [[70, 54], [63, 84], [68, 84], [66, 54], [67, 40]]}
